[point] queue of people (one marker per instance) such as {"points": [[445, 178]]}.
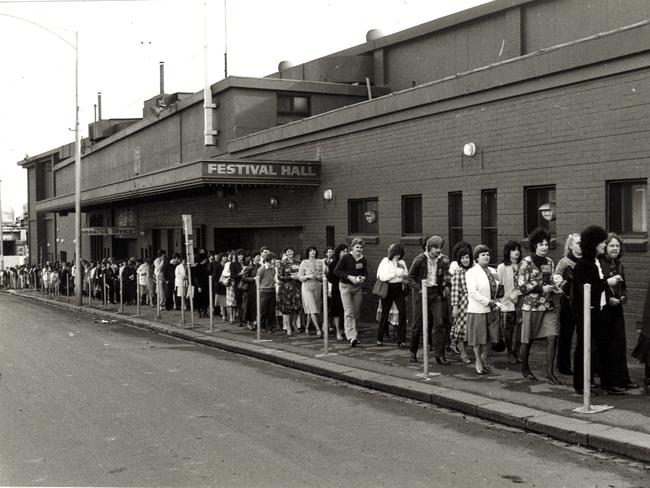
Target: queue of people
{"points": [[473, 308]]}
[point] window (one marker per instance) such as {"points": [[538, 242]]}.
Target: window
{"points": [[627, 207], [292, 107], [535, 197], [489, 222], [455, 218], [330, 236], [363, 216], [411, 215]]}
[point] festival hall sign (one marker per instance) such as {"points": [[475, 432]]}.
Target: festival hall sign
{"points": [[263, 171]]}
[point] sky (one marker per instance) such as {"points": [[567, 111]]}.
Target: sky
{"points": [[122, 42]]}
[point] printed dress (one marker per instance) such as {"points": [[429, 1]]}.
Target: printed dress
{"points": [[289, 298], [538, 309], [459, 299]]}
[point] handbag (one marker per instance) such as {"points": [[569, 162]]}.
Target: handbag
{"points": [[380, 288]]}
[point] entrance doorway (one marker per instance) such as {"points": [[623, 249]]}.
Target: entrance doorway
{"points": [[275, 238], [124, 248]]}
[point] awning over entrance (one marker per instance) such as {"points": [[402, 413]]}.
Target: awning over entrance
{"points": [[200, 173]]}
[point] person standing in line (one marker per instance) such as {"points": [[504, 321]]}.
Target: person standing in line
{"points": [[482, 284], [539, 320], [310, 273], [249, 295], [266, 274], [159, 278], [460, 302], [432, 266], [169, 272], [289, 300], [508, 273], [613, 343], [200, 281], [181, 284], [352, 271], [641, 351], [393, 270], [588, 271], [142, 271], [219, 287], [151, 283], [563, 278], [336, 305]]}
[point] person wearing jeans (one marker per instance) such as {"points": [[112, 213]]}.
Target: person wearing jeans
{"points": [[432, 266], [392, 269], [352, 270]]}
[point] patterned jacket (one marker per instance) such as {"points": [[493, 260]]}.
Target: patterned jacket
{"points": [[531, 281]]}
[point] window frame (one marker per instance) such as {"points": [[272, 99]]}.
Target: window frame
{"points": [[291, 114], [486, 228], [451, 196], [417, 230], [608, 213], [552, 226], [365, 230]]}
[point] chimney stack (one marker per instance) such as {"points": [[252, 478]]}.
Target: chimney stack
{"points": [[99, 105]]}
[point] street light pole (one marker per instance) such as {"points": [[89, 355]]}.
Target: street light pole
{"points": [[77, 178], [77, 154]]}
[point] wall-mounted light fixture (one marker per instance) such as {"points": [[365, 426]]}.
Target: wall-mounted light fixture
{"points": [[328, 195], [274, 202], [232, 205], [469, 149]]}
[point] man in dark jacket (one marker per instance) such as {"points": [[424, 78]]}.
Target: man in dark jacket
{"points": [[432, 266], [169, 269]]}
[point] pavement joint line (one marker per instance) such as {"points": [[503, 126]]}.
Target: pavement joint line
{"points": [[617, 440]]}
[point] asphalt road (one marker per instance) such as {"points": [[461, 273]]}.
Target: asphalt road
{"points": [[91, 404]]}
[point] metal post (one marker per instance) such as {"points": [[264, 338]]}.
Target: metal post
{"points": [[258, 300], [587, 407], [104, 290], [158, 295], [138, 297], [121, 273], [425, 328], [326, 327], [77, 175], [192, 293], [182, 304], [67, 287], [211, 301], [91, 282], [325, 319]]}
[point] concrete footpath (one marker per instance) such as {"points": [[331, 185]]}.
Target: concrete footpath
{"points": [[503, 396]]}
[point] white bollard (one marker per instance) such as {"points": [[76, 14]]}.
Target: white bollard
{"points": [[192, 290], [138, 297], [587, 407], [182, 304], [121, 291], [104, 294], [67, 287], [425, 328], [158, 294], [325, 319], [211, 303], [258, 301]]}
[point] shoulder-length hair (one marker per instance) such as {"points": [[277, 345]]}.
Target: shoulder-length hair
{"points": [[570, 241], [309, 248], [610, 237], [508, 248], [337, 253], [460, 253], [590, 237], [536, 237], [395, 249]]}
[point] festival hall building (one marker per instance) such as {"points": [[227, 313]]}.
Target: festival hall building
{"points": [[478, 126]]}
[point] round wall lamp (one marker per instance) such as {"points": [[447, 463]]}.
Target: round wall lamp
{"points": [[328, 195], [274, 202], [231, 205], [469, 149]]}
